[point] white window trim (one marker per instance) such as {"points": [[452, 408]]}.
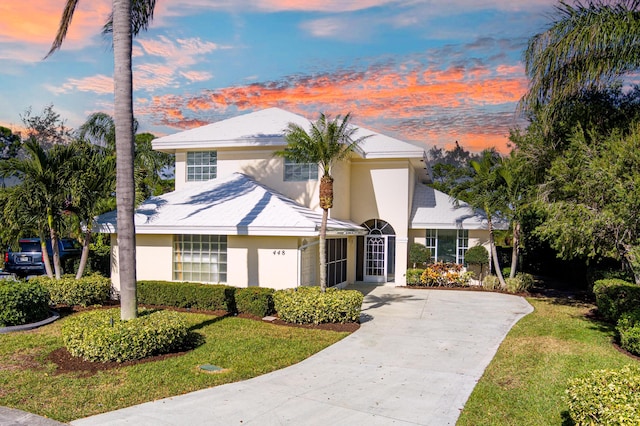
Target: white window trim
{"points": [[432, 234], [212, 167], [311, 171]]}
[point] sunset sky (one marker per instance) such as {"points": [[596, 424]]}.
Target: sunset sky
{"points": [[425, 71]]}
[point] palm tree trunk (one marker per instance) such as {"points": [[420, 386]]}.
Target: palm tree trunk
{"points": [[515, 252], [54, 244], [494, 254], [85, 254], [125, 189], [45, 256], [322, 247]]}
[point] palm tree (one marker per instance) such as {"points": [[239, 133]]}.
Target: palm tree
{"points": [[91, 191], [515, 191], [326, 142], [128, 18], [589, 46], [485, 191], [44, 177]]}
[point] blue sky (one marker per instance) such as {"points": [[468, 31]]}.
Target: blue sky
{"points": [[426, 71]]}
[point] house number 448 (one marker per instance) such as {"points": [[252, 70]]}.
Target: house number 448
{"points": [[278, 252]]}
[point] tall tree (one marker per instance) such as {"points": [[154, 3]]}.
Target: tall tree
{"points": [[91, 191], [449, 167], [43, 189], [47, 128], [325, 143], [516, 188], [485, 191], [592, 200], [128, 18], [9, 143], [590, 45]]}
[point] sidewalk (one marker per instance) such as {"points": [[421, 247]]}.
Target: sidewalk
{"points": [[414, 361]]}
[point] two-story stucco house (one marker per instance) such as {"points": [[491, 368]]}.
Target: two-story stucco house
{"points": [[243, 217]]}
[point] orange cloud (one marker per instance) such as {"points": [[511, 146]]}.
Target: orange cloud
{"points": [[432, 106], [36, 21]]}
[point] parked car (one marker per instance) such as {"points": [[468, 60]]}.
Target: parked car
{"points": [[29, 260]]}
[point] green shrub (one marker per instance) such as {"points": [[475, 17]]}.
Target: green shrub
{"points": [[477, 255], [491, 282], [22, 303], [309, 305], [418, 254], [255, 301], [628, 328], [520, 283], [100, 335], [211, 297], [89, 290], [413, 276], [615, 297], [606, 397], [594, 275]]}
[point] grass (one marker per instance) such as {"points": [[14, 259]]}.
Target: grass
{"points": [[526, 381], [245, 347]]}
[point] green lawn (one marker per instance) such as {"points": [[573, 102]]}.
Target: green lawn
{"points": [[245, 347], [526, 381]]}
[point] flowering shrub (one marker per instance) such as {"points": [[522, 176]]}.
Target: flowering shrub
{"points": [[445, 274]]}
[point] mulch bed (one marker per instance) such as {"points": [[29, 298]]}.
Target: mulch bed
{"points": [[66, 363]]}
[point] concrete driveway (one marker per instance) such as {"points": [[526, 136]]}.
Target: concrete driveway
{"points": [[414, 361]]}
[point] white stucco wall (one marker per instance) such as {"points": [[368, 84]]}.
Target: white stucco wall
{"points": [[262, 261], [262, 166], [380, 190], [154, 258]]}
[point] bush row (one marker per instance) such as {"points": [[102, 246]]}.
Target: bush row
{"points": [[22, 303], [100, 335], [309, 305], [256, 301], [606, 397], [89, 290], [614, 297], [304, 305], [611, 396]]}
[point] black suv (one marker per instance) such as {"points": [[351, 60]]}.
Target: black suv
{"points": [[29, 260]]}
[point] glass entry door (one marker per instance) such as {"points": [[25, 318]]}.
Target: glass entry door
{"points": [[375, 258]]}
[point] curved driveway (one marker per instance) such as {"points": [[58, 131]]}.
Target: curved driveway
{"points": [[414, 361]]}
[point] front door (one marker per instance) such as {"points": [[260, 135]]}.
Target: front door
{"points": [[375, 258]]}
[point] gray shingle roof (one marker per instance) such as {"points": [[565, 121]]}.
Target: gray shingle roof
{"points": [[236, 205], [433, 209], [266, 128]]}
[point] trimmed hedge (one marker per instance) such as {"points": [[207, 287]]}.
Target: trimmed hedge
{"points": [[607, 397], [22, 302], [100, 335], [212, 297], [615, 297], [89, 290], [255, 301], [628, 328], [309, 305]]}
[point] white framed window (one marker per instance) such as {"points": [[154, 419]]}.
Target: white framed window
{"points": [[202, 165], [447, 245], [297, 172], [200, 258], [336, 261]]}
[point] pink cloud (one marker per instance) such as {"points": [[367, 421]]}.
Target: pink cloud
{"points": [[374, 96]]}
